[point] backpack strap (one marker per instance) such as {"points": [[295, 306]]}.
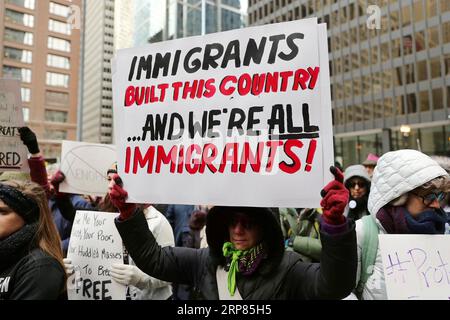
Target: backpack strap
{"points": [[369, 251]]}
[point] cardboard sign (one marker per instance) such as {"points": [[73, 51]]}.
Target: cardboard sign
{"points": [[416, 266], [13, 153], [241, 117], [85, 166], [95, 245]]}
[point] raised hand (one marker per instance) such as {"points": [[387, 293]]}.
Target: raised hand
{"points": [[335, 198]]}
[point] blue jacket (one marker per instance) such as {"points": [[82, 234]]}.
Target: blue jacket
{"points": [[178, 216], [63, 225]]}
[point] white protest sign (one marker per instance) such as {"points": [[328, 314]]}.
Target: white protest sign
{"points": [[416, 266], [95, 245], [241, 117], [85, 166], [13, 153]]}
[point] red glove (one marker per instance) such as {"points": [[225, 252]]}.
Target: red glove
{"points": [[55, 181], [118, 196], [335, 198]]}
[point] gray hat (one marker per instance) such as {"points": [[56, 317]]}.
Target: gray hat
{"points": [[356, 170]]}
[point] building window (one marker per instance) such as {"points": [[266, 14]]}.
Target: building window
{"points": [[422, 70], [435, 67], [446, 32], [58, 44], [57, 79], [60, 27], [20, 55], [21, 74], [29, 4], [437, 99], [56, 116], [26, 114], [25, 94], [432, 140], [58, 61], [424, 101], [59, 9], [16, 17], [56, 98], [17, 36], [55, 134]]}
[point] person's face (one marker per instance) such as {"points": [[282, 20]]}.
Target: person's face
{"points": [[416, 204], [369, 170], [357, 187], [244, 233], [10, 221]]}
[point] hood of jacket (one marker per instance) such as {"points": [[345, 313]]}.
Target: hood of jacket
{"points": [[399, 172], [217, 222]]}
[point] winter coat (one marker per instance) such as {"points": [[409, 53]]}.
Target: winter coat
{"points": [[281, 276], [305, 232], [396, 173], [178, 216], [155, 289], [35, 276], [64, 220]]}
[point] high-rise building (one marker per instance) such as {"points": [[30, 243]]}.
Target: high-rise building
{"points": [[124, 23], [98, 49], [149, 21], [390, 77], [39, 47], [171, 19]]}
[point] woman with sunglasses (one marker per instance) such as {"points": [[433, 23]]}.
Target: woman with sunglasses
{"points": [[407, 186], [357, 181], [245, 258]]}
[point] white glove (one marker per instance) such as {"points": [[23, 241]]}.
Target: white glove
{"points": [[129, 275], [68, 265]]}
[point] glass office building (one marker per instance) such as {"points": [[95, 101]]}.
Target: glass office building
{"points": [[383, 79], [172, 19]]}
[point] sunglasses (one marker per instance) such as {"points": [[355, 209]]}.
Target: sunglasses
{"points": [[353, 184], [245, 222], [431, 197]]}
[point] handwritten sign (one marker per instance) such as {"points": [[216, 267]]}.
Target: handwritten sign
{"points": [[85, 166], [226, 114], [95, 245], [416, 266], [13, 153]]}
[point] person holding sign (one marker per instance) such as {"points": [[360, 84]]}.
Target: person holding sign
{"points": [[140, 285], [407, 186], [246, 257], [36, 162], [31, 265]]}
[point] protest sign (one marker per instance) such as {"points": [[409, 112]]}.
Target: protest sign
{"points": [[241, 117], [85, 166], [95, 245], [416, 267], [13, 153]]}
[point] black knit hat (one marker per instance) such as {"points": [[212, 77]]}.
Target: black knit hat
{"points": [[23, 205]]}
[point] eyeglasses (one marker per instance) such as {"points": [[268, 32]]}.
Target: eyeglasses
{"points": [[353, 184], [431, 197]]}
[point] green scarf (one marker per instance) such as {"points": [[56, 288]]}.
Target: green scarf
{"points": [[229, 250], [245, 261]]}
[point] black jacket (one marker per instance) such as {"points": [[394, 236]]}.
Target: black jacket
{"points": [[281, 276], [36, 276]]}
